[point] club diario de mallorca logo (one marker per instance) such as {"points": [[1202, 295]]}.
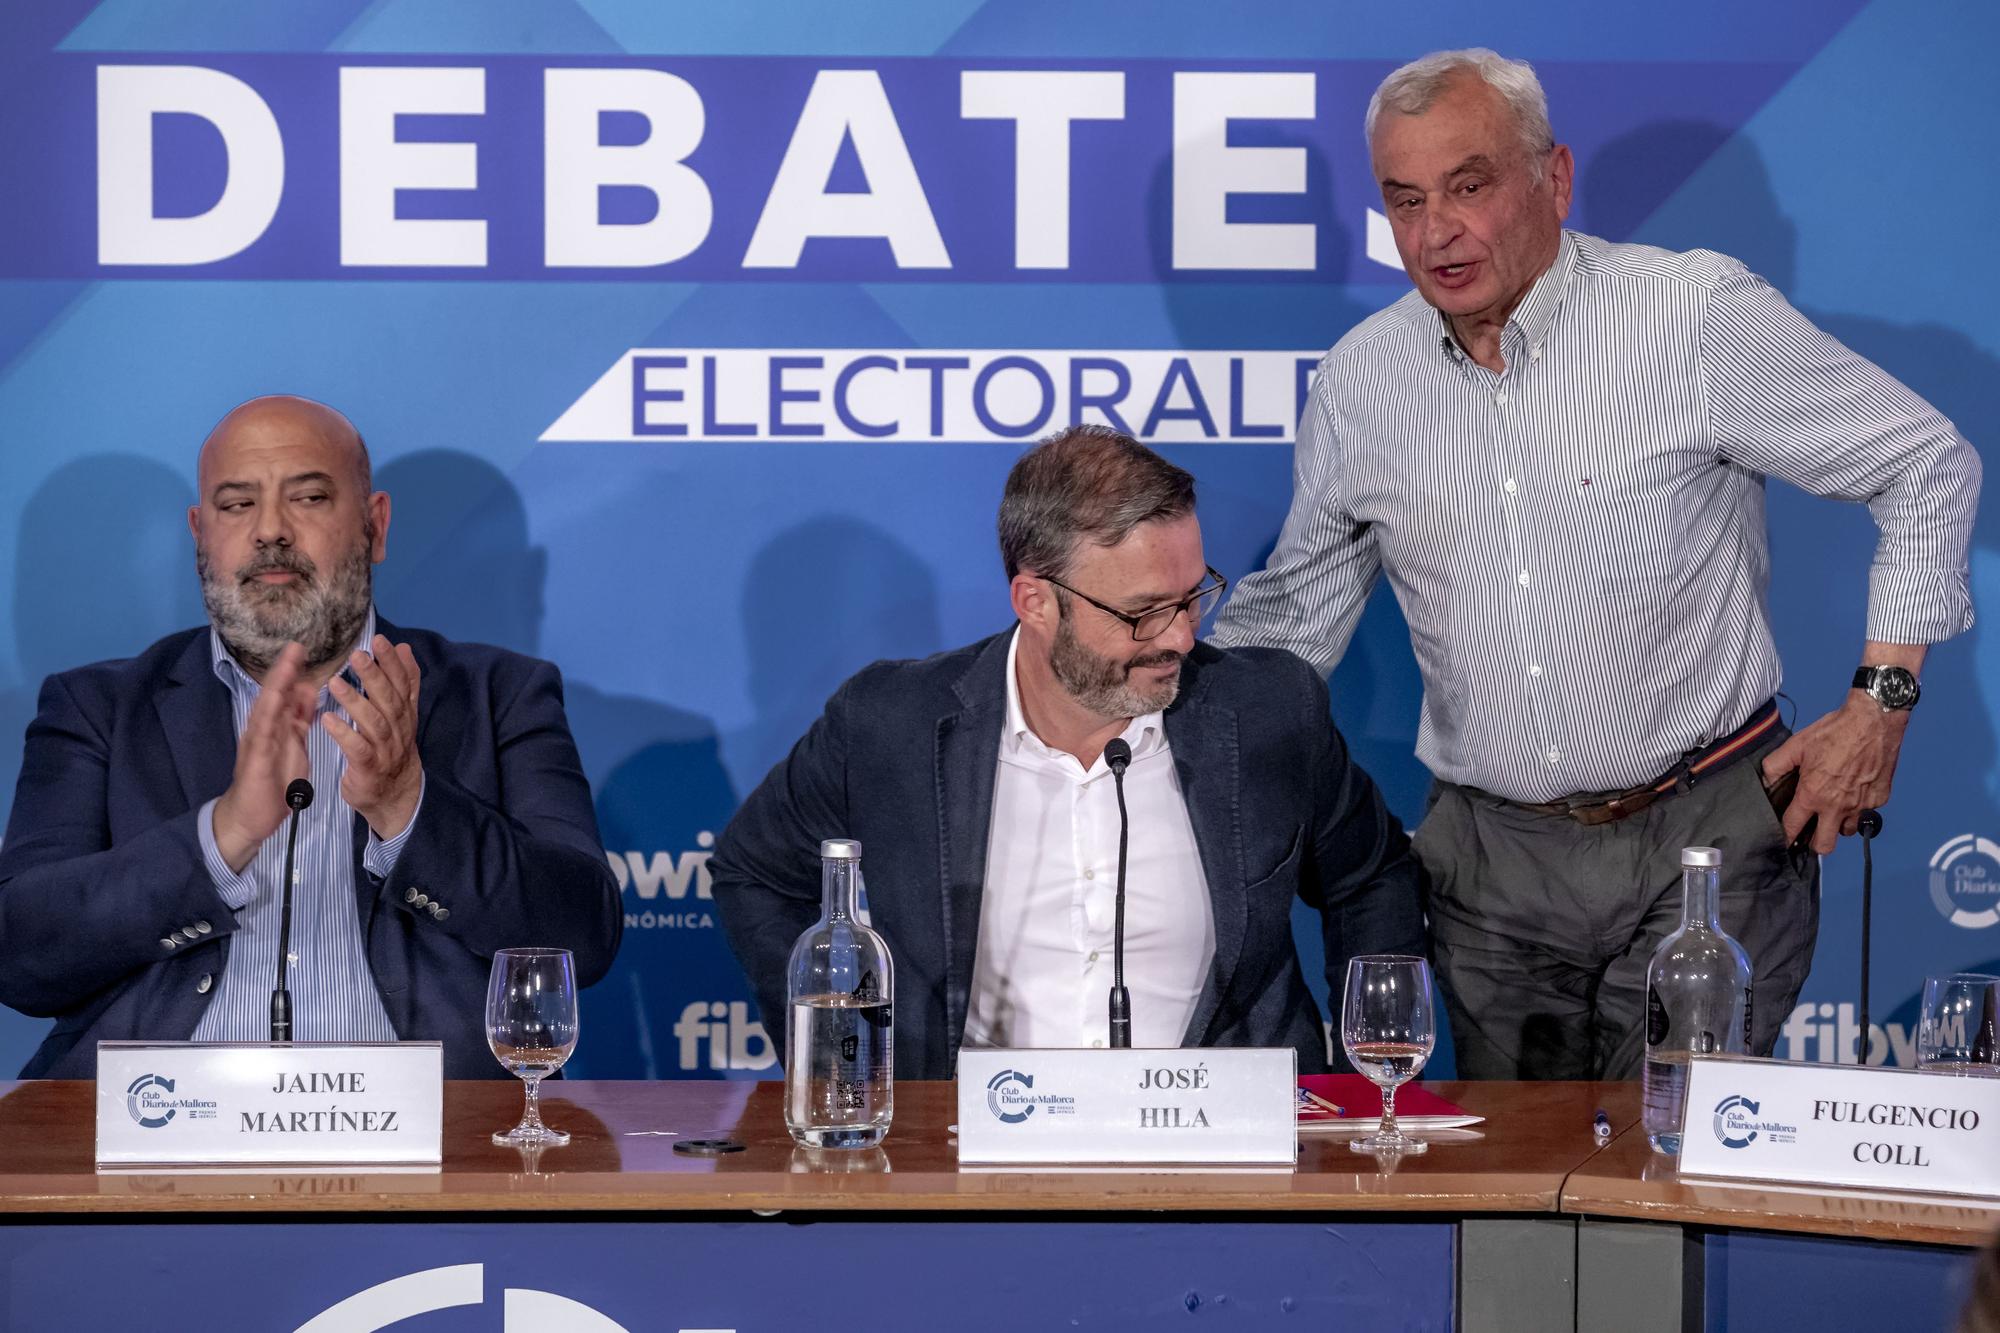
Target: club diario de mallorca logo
{"points": [[145, 1102], [1010, 1089], [1737, 1125], [151, 1103], [1011, 1097], [1965, 881]]}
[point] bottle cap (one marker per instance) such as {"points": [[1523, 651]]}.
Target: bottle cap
{"points": [[840, 849], [1705, 857]]}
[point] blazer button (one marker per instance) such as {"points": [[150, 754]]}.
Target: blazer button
{"points": [[202, 927], [207, 980], [440, 913], [170, 942], [409, 895], [423, 901]]}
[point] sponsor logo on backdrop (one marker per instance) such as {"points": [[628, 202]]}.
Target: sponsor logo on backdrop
{"points": [[669, 394], [721, 1035], [151, 1101], [1965, 881], [1829, 1034], [666, 890], [1736, 1125]]}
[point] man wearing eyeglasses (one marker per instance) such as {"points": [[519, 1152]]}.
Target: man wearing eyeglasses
{"points": [[977, 784]]}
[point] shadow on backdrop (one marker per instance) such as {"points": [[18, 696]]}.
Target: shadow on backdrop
{"points": [[461, 563], [820, 601], [104, 567]]}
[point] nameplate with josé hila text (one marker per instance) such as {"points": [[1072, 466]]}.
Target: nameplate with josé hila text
{"points": [[1181, 1107], [193, 1104], [1874, 1126]]}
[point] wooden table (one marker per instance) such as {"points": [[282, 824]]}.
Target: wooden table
{"points": [[1525, 1222], [621, 1159]]}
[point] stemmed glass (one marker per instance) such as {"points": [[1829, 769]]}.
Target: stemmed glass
{"points": [[1388, 1025], [531, 1026], [1956, 1030]]}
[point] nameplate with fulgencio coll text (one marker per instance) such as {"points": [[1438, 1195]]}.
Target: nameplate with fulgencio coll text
{"points": [[1180, 1106], [1872, 1126], [246, 1103]]}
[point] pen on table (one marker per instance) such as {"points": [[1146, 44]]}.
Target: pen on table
{"points": [[1600, 1125], [1321, 1102]]}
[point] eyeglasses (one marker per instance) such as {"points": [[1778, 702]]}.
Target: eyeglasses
{"points": [[1152, 624]]}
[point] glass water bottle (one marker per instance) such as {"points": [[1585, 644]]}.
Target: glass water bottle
{"points": [[840, 1043], [1697, 998]]}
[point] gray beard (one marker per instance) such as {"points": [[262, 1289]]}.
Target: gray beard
{"points": [[256, 621], [1102, 686]]}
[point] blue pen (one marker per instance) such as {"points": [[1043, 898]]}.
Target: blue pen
{"points": [[1600, 1125]]}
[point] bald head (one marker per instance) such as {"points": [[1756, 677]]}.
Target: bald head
{"points": [[287, 530], [279, 420]]}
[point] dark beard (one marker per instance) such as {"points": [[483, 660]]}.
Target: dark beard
{"points": [[1102, 686], [256, 621]]}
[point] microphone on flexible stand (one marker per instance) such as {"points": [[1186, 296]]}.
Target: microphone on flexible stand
{"points": [[1118, 757], [1868, 823], [298, 796]]}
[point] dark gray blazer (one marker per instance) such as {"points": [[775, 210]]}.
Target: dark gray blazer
{"points": [[904, 757]]}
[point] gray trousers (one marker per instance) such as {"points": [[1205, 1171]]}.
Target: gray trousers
{"points": [[1542, 927]]}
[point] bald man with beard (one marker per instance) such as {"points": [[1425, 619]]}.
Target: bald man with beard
{"points": [[141, 876]]}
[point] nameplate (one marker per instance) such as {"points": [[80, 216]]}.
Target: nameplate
{"points": [[1183, 1106], [1876, 1127], [252, 1103]]}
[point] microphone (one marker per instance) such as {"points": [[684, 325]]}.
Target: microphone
{"points": [[298, 796], [1118, 757], [1868, 823]]}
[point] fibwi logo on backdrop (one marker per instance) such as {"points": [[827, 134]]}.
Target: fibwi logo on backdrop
{"points": [[1965, 881], [1830, 1034], [669, 891], [732, 1038]]}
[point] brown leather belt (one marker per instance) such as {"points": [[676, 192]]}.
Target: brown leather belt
{"points": [[1693, 765]]}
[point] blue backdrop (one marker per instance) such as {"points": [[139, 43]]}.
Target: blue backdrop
{"points": [[859, 257]]}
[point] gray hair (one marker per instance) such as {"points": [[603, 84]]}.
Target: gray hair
{"points": [[1412, 90], [1084, 483]]}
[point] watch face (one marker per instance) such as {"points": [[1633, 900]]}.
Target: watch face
{"points": [[1895, 687]]}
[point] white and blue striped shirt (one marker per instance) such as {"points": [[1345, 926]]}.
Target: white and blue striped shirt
{"points": [[333, 991], [1578, 543]]}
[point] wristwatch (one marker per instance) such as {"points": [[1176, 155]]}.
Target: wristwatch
{"points": [[1890, 686]]}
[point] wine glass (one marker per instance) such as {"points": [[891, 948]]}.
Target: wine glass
{"points": [[531, 1026], [1388, 1025], [1956, 1030]]}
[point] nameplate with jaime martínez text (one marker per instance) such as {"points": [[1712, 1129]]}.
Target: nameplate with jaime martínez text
{"points": [[1180, 1106], [239, 1103], [1873, 1126]]}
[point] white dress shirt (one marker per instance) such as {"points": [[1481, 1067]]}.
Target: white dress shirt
{"points": [[1042, 976], [1578, 542]]}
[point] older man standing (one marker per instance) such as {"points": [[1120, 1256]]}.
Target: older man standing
{"points": [[140, 878], [1556, 448]]}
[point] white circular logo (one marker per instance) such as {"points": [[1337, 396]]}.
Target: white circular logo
{"points": [[1965, 881]]}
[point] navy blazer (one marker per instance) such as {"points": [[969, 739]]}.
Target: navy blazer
{"points": [[904, 760], [102, 861]]}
